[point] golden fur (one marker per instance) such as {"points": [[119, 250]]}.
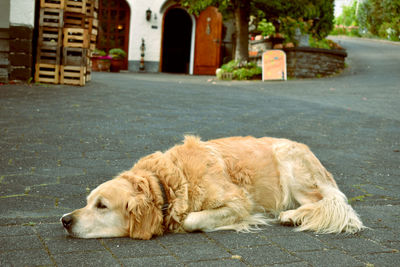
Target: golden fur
{"points": [[230, 183]]}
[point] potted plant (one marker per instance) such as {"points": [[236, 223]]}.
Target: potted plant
{"points": [[100, 61], [118, 55]]}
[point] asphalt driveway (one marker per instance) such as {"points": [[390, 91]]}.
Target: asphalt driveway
{"points": [[59, 142]]}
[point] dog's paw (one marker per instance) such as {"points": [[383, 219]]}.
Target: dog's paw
{"points": [[190, 222], [287, 218]]}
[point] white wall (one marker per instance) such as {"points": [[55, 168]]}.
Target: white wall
{"points": [[141, 28], [150, 31], [22, 12]]}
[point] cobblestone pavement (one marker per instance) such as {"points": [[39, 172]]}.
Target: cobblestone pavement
{"points": [[59, 142]]}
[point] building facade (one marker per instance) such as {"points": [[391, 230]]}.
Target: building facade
{"points": [[174, 40], [158, 36]]}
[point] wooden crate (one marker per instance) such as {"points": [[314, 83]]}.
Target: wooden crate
{"points": [[51, 17], [77, 6], [88, 75], [47, 73], [74, 37], [92, 8], [74, 75], [73, 56], [52, 4], [89, 55], [93, 40], [49, 36], [74, 20], [48, 55], [92, 25]]}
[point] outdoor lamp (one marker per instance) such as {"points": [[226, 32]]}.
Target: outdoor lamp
{"points": [[148, 14]]}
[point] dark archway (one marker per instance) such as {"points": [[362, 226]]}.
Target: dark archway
{"points": [[177, 37]]}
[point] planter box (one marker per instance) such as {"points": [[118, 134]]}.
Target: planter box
{"points": [[101, 64]]}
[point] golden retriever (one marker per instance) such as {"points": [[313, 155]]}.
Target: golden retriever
{"points": [[222, 184]]}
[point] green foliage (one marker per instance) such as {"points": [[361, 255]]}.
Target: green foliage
{"points": [[99, 53], [290, 26], [320, 12], [230, 66], [117, 53], [377, 17], [348, 16], [266, 28], [241, 71], [195, 6], [349, 31], [324, 43]]}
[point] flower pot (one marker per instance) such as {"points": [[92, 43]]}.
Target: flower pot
{"points": [[100, 64], [116, 65]]}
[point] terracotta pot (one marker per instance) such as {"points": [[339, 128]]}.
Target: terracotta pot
{"points": [[100, 64], [116, 65]]}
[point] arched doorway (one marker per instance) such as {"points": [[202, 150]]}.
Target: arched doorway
{"points": [[114, 18], [177, 36]]}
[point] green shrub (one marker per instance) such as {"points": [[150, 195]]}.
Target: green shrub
{"points": [[117, 53], [240, 72], [266, 28], [99, 53]]}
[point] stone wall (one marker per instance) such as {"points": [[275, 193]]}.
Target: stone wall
{"points": [[260, 45], [308, 62]]}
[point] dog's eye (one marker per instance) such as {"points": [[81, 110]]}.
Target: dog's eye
{"points": [[100, 205]]}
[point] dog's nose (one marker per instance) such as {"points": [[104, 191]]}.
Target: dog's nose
{"points": [[67, 221]]}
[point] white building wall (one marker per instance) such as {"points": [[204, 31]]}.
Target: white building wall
{"points": [[22, 12], [150, 31]]}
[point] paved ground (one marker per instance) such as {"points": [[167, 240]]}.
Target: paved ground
{"points": [[59, 142]]}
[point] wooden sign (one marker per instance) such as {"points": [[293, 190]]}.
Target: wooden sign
{"points": [[274, 65]]}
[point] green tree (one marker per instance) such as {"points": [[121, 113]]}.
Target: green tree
{"points": [[275, 11], [349, 15], [381, 17], [318, 12]]}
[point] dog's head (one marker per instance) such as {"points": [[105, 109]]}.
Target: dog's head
{"points": [[124, 206]]}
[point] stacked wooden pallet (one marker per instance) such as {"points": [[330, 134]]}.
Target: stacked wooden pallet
{"points": [[67, 37]]}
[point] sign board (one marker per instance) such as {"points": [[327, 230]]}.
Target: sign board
{"points": [[274, 65]]}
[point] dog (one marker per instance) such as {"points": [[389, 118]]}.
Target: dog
{"points": [[234, 183]]}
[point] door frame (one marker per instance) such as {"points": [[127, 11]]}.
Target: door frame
{"points": [[192, 41]]}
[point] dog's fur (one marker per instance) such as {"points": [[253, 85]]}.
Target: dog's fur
{"points": [[230, 183]]}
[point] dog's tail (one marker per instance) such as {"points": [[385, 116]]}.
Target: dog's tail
{"points": [[331, 214]]}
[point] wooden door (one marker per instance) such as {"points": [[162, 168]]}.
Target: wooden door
{"points": [[208, 42], [114, 18]]}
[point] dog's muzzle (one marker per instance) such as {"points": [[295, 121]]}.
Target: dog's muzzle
{"points": [[67, 221]]}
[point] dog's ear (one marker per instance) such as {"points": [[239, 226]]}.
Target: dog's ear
{"points": [[145, 219]]}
